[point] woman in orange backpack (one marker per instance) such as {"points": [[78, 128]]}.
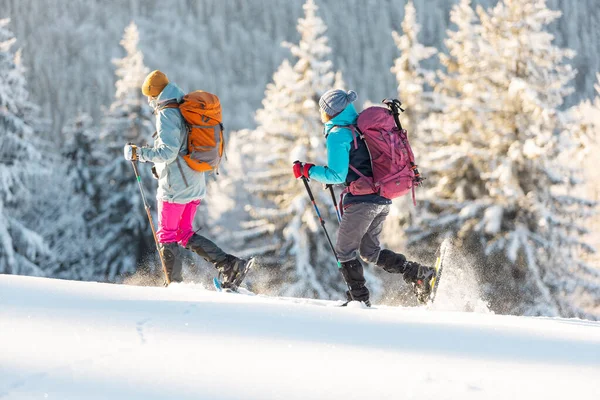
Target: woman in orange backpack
{"points": [[180, 188]]}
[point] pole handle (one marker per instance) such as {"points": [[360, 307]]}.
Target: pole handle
{"points": [[305, 180]]}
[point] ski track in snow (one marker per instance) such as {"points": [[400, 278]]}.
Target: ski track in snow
{"points": [[80, 340]]}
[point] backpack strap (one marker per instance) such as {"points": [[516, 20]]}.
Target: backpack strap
{"points": [[357, 171], [181, 171], [344, 192], [171, 103], [353, 129]]}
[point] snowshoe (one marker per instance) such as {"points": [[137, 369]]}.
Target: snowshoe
{"points": [[229, 279], [439, 266], [426, 286]]}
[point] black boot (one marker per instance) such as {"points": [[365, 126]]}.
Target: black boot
{"points": [[349, 299], [414, 273], [421, 277], [170, 255], [233, 270], [353, 274], [391, 262]]}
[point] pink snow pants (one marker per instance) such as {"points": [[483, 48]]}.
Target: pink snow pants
{"points": [[175, 221]]}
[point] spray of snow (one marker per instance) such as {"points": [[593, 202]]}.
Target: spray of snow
{"points": [[459, 289]]}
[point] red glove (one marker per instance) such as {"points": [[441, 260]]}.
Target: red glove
{"points": [[301, 169]]}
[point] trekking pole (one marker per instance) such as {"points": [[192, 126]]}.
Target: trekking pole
{"points": [[335, 204], [312, 199], [147, 207]]}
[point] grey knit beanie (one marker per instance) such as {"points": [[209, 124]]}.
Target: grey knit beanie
{"points": [[334, 101]]}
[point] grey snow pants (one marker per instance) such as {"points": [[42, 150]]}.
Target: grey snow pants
{"points": [[360, 230]]}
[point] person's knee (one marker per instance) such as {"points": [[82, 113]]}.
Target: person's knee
{"points": [[369, 255], [184, 237], [169, 250], [345, 252], [347, 248]]}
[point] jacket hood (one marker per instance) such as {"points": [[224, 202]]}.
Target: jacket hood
{"points": [[346, 117], [171, 91]]}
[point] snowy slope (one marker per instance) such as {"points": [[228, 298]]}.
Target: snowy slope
{"points": [[75, 340]]}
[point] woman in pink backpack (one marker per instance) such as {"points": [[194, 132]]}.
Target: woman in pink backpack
{"points": [[347, 160]]}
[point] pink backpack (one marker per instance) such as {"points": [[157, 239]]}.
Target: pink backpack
{"points": [[392, 159]]}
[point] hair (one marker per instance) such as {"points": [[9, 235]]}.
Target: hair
{"points": [[325, 116]]}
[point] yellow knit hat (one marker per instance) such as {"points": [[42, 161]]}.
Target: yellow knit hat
{"points": [[154, 83]]}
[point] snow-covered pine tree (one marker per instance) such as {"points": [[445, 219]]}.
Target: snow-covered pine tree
{"points": [[284, 224], [414, 91], [21, 165], [285, 228], [81, 136], [496, 176], [588, 114], [70, 204], [339, 82], [412, 78], [446, 136], [313, 52], [122, 229]]}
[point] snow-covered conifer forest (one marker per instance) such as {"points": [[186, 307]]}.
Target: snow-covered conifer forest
{"points": [[502, 105]]}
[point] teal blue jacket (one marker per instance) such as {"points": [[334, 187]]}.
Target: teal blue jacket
{"points": [[177, 182], [339, 142]]}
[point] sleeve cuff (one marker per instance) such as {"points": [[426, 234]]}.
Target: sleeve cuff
{"points": [[141, 157]]}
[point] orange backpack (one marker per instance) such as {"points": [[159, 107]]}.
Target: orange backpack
{"points": [[202, 113]]}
